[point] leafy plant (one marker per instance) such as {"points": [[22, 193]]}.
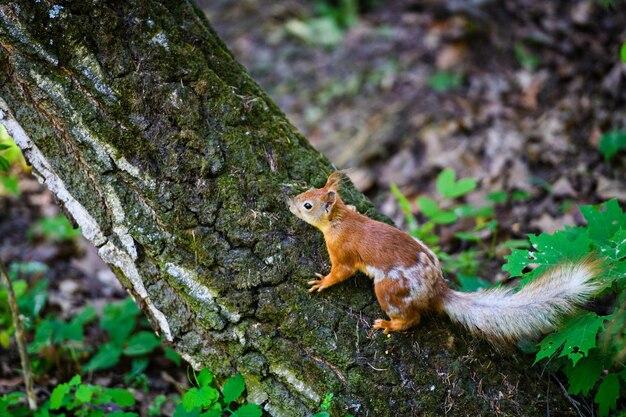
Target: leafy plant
{"points": [[327, 28], [611, 143], [525, 58], [443, 81], [30, 300], [119, 320], [575, 348], [445, 209], [205, 400], [9, 154], [55, 229]]}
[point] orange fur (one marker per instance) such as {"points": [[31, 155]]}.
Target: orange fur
{"points": [[408, 280]]}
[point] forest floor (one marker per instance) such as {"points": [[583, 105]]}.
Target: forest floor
{"points": [[514, 93]]}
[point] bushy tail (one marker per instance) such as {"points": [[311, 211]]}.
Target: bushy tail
{"points": [[502, 315]]}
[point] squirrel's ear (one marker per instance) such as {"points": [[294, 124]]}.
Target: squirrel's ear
{"points": [[333, 180], [331, 198]]}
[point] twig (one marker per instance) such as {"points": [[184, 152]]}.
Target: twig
{"points": [[19, 337]]}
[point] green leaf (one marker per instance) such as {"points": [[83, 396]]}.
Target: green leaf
{"points": [[517, 261], [604, 220], [469, 236], [427, 206], [108, 355], [58, 395], [584, 375], [155, 408], [471, 283], [172, 355], [444, 217], [75, 381], [141, 343], [86, 315], [10, 184], [215, 411], [322, 414], [181, 411], [119, 320], [199, 398], [4, 146], [121, 413], [443, 81], [405, 205], [204, 378], [83, 393], [612, 142], [623, 52], [121, 397], [4, 164], [450, 188], [233, 388], [497, 196], [577, 336], [249, 410], [607, 395]]}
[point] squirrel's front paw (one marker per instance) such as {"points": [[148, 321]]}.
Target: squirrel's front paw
{"points": [[318, 284]]}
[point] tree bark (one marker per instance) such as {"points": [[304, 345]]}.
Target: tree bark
{"points": [[176, 165]]}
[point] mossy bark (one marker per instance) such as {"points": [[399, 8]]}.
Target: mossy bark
{"points": [[176, 165]]}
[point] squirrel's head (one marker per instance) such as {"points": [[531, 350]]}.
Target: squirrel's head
{"points": [[316, 205]]}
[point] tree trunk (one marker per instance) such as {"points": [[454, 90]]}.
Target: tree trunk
{"points": [[176, 165]]}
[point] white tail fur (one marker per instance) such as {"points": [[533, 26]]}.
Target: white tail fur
{"points": [[504, 315]]}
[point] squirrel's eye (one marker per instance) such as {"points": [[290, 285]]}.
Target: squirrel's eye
{"points": [[307, 206]]}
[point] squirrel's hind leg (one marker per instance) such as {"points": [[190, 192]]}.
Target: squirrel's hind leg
{"points": [[395, 299], [397, 324]]}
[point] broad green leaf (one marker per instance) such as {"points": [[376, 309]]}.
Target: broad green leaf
{"points": [[470, 236], [172, 355], [517, 261], [215, 411], [472, 283], [141, 343], [58, 395], [86, 315], [233, 388], [584, 375], [181, 411], [427, 206], [322, 414], [4, 164], [444, 217], [612, 142], [108, 355], [199, 398], [248, 410], [623, 52], [204, 378], [607, 395], [604, 220], [83, 393], [75, 381], [497, 196], [450, 188], [4, 146], [576, 337], [119, 320], [121, 397]]}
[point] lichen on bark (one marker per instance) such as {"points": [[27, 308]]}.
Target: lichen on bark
{"points": [[176, 165]]}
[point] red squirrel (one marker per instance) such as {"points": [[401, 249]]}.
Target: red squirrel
{"points": [[408, 280]]}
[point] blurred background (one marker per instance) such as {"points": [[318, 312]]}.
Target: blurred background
{"points": [[521, 102]]}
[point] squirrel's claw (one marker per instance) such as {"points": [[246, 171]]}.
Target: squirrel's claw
{"points": [[317, 284], [381, 324]]}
